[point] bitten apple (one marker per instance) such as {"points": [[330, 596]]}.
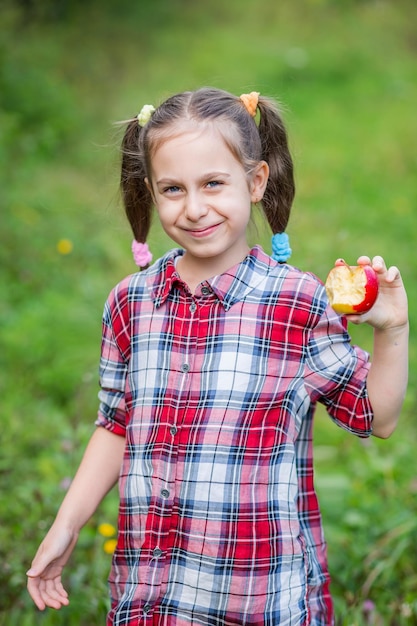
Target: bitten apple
{"points": [[352, 289]]}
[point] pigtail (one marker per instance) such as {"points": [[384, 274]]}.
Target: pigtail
{"points": [[280, 190], [137, 199]]}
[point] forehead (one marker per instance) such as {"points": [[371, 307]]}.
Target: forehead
{"points": [[189, 130]]}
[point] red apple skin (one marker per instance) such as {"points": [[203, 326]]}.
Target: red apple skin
{"points": [[352, 289]]}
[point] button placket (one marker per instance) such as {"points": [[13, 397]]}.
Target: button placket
{"points": [[183, 366], [184, 333]]}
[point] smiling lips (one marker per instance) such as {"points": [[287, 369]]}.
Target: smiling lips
{"points": [[202, 232]]}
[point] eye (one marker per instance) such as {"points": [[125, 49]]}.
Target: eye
{"points": [[212, 184], [171, 189]]}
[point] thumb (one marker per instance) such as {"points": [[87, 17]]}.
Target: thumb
{"points": [[37, 567], [42, 560], [33, 572], [52, 554]]}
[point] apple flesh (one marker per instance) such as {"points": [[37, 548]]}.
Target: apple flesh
{"points": [[352, 289]]}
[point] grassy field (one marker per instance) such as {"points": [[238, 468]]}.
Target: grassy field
{"points": [[346, 74]]}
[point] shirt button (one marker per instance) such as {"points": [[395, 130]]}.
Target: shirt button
{"points": [[157, 552], [147, 608], [193, 307], [185, 368], [164, 493], [173, 430], [205, 291]]}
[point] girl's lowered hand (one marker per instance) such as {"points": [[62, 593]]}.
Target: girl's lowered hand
{"points": [[44, 576], [390, 310]]}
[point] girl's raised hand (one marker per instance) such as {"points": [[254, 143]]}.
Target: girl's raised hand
{"points": [[44, 576], [390, 309]]}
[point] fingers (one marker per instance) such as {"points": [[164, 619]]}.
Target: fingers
{"points": [[364, 260], [390, 274], [44, 582], [47, 593], [35, 594], [378, 264], [44, 576], [54, 593], [393, 274]]}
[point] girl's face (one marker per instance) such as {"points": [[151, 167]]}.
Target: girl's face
{"points": [[203, 197]]}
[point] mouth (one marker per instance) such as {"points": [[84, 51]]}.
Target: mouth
{"points": [[199, 233]]}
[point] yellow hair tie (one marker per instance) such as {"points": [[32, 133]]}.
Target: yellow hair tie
{"points": [[145, 114], [250, 100]]}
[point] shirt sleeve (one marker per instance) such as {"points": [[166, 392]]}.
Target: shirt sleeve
{"points": [[336, 373], [114, 361]]}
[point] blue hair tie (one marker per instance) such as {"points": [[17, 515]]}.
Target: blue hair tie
{"points": [[281, 250]]}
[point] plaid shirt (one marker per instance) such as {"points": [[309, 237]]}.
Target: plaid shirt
{"points": [[215, 392]]}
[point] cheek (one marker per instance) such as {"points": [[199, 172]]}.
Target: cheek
{"points": [[166, 213]]}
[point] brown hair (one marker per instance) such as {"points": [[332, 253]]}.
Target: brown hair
{"points": [[250, 144]]}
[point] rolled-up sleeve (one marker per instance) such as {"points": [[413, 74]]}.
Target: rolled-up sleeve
{"points": [[114, 361], [336, 373]]}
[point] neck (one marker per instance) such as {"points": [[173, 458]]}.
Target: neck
{"points": [[194, 271]]}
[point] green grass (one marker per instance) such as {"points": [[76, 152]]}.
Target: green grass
{"points": [[345, 71]]}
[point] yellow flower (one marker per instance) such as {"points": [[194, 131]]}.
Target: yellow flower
{"points": [[64, 246], [110, 546], [106, 530]]}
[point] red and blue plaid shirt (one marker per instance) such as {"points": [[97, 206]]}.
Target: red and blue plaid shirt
{"points": [[215, 392]]}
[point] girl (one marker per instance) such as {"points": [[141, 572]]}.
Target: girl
{"points": [[213, 360]]}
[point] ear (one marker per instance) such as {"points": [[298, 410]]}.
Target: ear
{"points": [[259, 181], [149, 187]]}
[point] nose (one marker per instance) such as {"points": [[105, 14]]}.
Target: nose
{"points": [[195, 206]]}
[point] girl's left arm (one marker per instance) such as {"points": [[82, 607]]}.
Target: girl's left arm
{"points": [[388, 374]]}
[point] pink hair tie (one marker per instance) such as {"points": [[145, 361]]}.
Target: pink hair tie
{"points": [[141, 253]]}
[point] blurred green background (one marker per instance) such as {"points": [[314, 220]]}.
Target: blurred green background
{"points": [[346, 73]]}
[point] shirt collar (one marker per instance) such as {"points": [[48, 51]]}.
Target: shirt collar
{"points": [[229, 288]]}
